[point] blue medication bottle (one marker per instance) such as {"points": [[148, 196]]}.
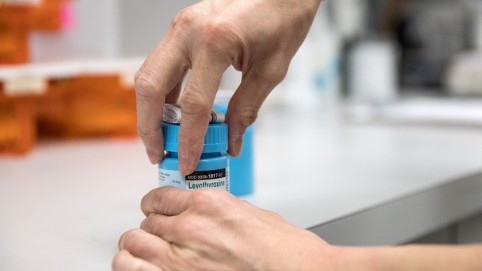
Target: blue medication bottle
{"points": [[213, 168], [242, 167]]}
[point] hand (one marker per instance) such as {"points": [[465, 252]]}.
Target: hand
{"points": [[210, 229], [258, 37]]}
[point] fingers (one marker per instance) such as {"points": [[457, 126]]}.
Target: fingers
{"points": [[173, 96], [160, 225], [243, 108], [124, 261], [145, 246], [196, 103], [159, 75], [165, 200]]}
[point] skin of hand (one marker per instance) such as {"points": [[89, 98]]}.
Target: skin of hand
{"points": [[257, 37], [210, 229], [412, 257]]}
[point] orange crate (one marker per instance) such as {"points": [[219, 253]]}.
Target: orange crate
{"points": [[51, 109], [87, 106], [14, 31], [17, 127], [46, 17]]}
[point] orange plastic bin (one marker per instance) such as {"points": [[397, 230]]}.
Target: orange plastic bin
{"points": [[17, 124], [87, 106], [14, 32]]}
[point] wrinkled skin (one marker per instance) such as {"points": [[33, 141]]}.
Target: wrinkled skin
{"points": [[210, 229], [257, 37]]}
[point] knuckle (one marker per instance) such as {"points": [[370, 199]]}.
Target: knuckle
{"points": [[194, 143], [274, 75], [208, 200], [130, 239], [186, 227], [203, 196], [146, 134], [150, 201], [184, 18], [148, 223], [221, 38], [146, 202], [216, 29], [158, 204], [194, 101], [145, 83], [151, 136], [248, 115], [155, 201]]}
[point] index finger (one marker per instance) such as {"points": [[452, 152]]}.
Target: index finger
{"points": [[157, 77], [196, 102]]}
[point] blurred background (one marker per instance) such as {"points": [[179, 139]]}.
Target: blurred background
{"points": [[66, 66], [380, 111]]}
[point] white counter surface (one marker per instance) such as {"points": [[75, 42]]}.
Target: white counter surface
{"points": [[64, 206]]}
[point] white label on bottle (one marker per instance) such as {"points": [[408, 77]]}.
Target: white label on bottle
{"points": [[199, 179]]}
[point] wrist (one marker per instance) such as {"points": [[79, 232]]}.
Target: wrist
{"points": [[311, 254], [358, 259], [330, 258]]}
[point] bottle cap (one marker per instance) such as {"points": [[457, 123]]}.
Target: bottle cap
{"points": [[216, 139]]}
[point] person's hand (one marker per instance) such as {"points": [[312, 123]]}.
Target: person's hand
{"points": [[258, 37], [210, 229]]}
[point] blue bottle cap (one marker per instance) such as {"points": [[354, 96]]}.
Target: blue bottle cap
{"points": [[216, 139]]}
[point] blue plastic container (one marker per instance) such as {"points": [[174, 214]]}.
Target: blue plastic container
{"points": [[242, 167], [213, 168]]}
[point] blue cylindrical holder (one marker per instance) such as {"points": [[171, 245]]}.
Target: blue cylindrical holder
{"points": [[242, 167], [213, 168]]}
